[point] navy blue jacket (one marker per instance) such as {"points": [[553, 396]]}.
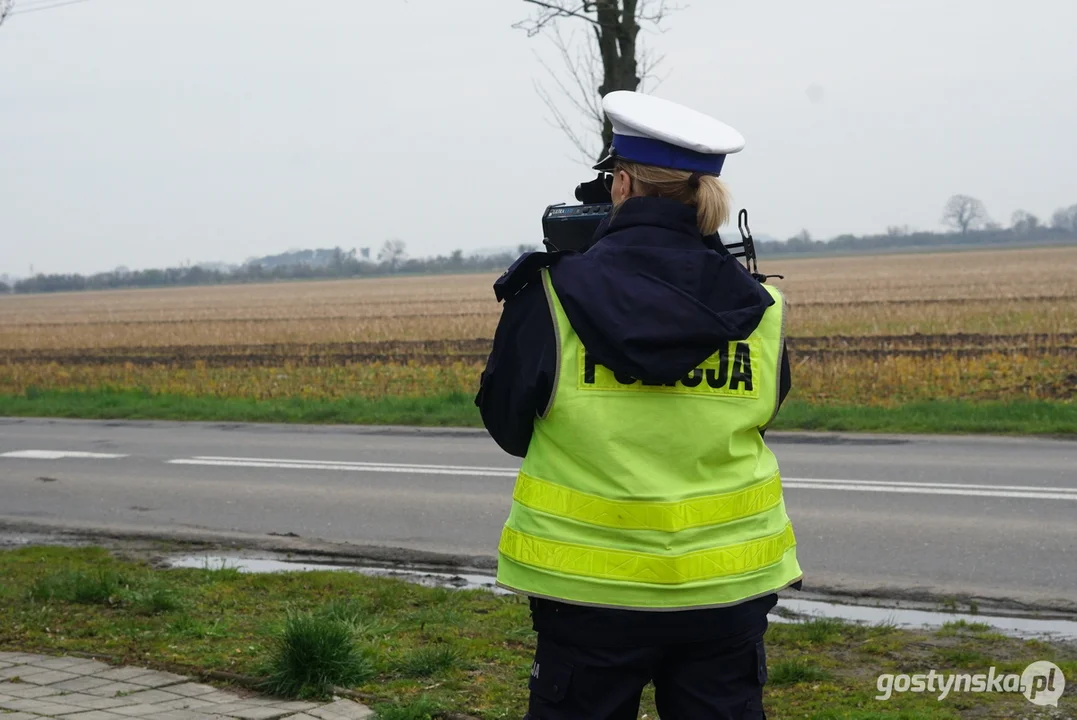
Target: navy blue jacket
{"points": [[651, 299]]}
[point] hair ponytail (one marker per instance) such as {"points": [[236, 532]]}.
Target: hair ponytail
{"points": [[712, 204], [706, 193]]}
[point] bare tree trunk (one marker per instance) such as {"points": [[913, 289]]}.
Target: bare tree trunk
{"points": [[616, 25], [616, 32]]}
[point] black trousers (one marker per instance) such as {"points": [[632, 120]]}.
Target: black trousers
{"points": [[712, 680]]}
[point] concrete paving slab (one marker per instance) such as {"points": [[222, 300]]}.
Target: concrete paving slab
{"points": [[81, 684], [342, 710], [87, 667], [20, 658], [123, 674], [261, 713], [190, 689], [183, 715], [42, 706], [40, 687], [19, 671], [297, 706], [156, 679], [23, 690], [46, 677], [56, 663], [90, 702], [114, 689]]}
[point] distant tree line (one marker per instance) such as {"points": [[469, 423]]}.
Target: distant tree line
{"points": [[969, 224], [300, 265], [966, 217]]}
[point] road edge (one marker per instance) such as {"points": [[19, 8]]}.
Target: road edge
{"points": [[780, 436], [825, 586]]}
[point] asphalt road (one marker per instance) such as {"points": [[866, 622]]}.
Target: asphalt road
{"points": [[987, 517]]}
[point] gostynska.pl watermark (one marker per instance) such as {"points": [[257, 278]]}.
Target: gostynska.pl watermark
{"points": [[1042, 683]]}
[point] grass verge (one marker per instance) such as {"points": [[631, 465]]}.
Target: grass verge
{"points": [[1031, 417], [419, 652], [455, 409]]}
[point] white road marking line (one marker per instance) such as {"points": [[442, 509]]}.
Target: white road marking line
{"points": [[1034, 493], [59, 455], [358, 464], [902, 483], [878, 486], [352, 467]]}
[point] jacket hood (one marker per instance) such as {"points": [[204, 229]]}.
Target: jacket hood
{"points": [[650, 299]]}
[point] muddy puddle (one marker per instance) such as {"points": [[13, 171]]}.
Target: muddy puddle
{"points": [[788, 609], [1024, 627], [872, 611], [10, 541], [428, 578]]}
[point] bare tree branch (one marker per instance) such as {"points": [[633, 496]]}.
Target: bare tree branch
{"points": [[611, 57], [553, 12], [33, 6], [577, 85], [5, 9], [656, 11], [648, 64], [585, 77], [562, 123]]}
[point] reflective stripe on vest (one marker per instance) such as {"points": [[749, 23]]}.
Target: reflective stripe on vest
{"points": [[653, 496], [641, 515], [635, 566]]}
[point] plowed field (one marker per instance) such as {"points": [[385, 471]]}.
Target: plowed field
{"points": [[876, 330]]}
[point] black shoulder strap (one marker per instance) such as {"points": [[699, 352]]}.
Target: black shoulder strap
{"points": [[525, 270]]}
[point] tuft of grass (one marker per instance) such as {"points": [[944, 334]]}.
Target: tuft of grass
{"points": [[934, 714], [155, 600], [223, 572], [347, 610], [960, 627], [883, 627], [386, 597], [428, 660], [818, 631], [311, 655], [357, 614], [421, 709], [798, 670], [187, 627], [960, 657], [101, 587], [104, 586]]}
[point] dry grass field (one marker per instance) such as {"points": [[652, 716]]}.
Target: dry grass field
{"points": [[871, 330]]}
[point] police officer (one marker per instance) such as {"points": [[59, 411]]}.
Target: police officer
{"points": [[636, 380]]}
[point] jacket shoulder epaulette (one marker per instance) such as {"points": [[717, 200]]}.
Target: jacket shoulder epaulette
{"points": [[523, 271]]}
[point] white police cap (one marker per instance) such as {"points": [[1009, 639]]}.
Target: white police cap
{"points": [[652, 131]]}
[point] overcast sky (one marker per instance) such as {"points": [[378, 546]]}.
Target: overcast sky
{"points": [[153, 132]]}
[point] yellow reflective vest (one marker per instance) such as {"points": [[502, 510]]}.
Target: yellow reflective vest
{"points": [[659, 497]]}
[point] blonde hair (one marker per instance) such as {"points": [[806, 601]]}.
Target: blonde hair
{"points": [[708, 195]]}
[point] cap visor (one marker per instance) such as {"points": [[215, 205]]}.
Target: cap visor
{"points": [[605, 163]]}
